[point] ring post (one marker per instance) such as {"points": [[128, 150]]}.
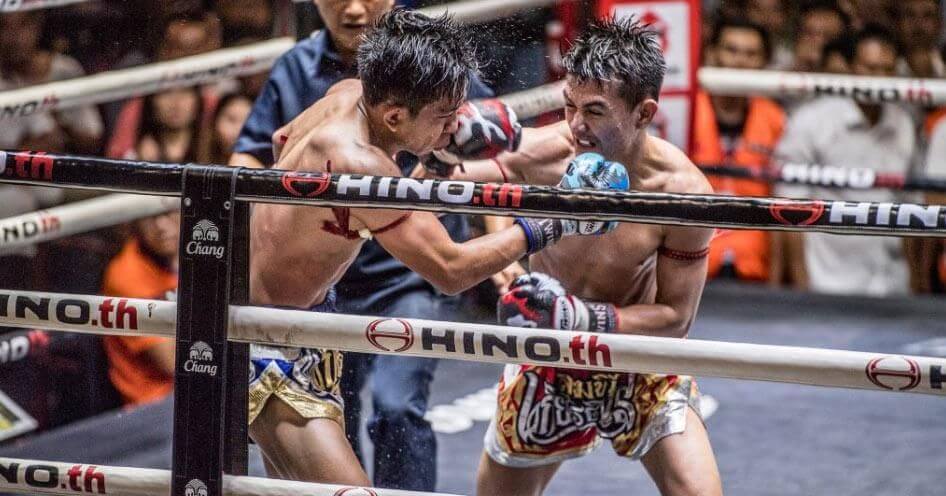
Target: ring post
{"points": [[235, 451], [206, 248]]}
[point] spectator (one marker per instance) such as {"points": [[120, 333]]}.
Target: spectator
{"points": [[142, 368], [23, 62], [242, 19], [864, 12], [839, 131], [918, 30], [171, 126], [772, 15], [183, 35], [741, 132], [819, 22], [932, 253], [836, 55], [232, 112]]}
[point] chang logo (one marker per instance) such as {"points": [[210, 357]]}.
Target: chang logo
{"points": [[204, 239], [206, 231], [197, 359], [195, 487]]}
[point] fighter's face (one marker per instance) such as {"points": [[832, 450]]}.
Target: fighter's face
{"points": [[600, 120], [431, 128], [347, 20]]}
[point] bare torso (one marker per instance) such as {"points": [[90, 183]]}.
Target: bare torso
{"points": [[294, 261], [620, 267]]}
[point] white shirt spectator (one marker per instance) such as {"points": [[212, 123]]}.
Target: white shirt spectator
{"points": [[834, 131]]}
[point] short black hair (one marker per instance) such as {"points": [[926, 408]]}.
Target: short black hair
{"points": [[878, 33], [844, 45], [621, 50], [723, 24], [413, 60]]}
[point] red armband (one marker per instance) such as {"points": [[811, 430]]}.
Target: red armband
{"points": [[684, 256]]}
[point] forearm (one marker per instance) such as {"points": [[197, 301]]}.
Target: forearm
{"points": [[653, 320], [479, 258], [495, 223]]}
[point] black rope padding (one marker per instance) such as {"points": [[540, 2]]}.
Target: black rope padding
{"points": [[323, 189], [830, 177]]}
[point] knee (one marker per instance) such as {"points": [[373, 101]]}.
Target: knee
{"points": [[698, 486]]}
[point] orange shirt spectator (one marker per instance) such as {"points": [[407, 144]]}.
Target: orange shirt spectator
{"points": [[747, 251], [141, 368], [738, 131]]}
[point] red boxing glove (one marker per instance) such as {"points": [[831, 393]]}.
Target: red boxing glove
{"points": [[487, 128], [537, 300]]}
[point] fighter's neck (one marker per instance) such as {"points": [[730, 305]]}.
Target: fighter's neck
{"points": [[645, 160], [379, 135]]}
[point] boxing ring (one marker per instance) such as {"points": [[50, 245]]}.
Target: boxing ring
{"points": [[210, 391]]}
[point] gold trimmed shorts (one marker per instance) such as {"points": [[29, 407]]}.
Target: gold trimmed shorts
{"points": [[546, 415], [305, 379]]}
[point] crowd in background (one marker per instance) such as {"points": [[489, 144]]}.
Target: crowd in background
{"points": [[201, 124]]}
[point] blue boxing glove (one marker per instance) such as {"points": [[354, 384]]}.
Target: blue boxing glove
{"points": [[592, 171], [537, 300], [586, 171]]}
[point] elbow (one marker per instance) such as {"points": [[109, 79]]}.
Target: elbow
{"points": [[447, 279], [679, 326], [449, 286]]}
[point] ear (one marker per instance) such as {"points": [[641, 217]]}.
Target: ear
{"points": [[393, 116], [648, 109]]}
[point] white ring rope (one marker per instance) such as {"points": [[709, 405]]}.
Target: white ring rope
{"points": [[79, 217], [44, 477], [740, 82], [143, 80], [199, 69], [21, 5], [489, 343]]}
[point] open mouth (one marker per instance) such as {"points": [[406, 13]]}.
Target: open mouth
{"points": [[585, 143]]}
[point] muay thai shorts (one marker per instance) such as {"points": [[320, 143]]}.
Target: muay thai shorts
{"points": [[547, 415], [305, 379]]}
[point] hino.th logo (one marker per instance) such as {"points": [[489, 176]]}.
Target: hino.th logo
{"points": [[204, 239], [200, 359]]}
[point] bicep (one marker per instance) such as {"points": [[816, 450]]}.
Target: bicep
{"points": [[681, 268], [418, 239]]}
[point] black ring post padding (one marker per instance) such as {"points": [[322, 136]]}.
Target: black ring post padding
{"points": [[203, 298], [235, 451]]}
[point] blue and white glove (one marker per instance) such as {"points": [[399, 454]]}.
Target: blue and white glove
{"points": [[588, 171], [537, 300]]}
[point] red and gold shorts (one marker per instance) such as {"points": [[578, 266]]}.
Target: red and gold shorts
{"points": [[547, 415]]}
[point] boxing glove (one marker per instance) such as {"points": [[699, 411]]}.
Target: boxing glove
{"points": [[588, 170], [486, 129], [537, 300]]}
